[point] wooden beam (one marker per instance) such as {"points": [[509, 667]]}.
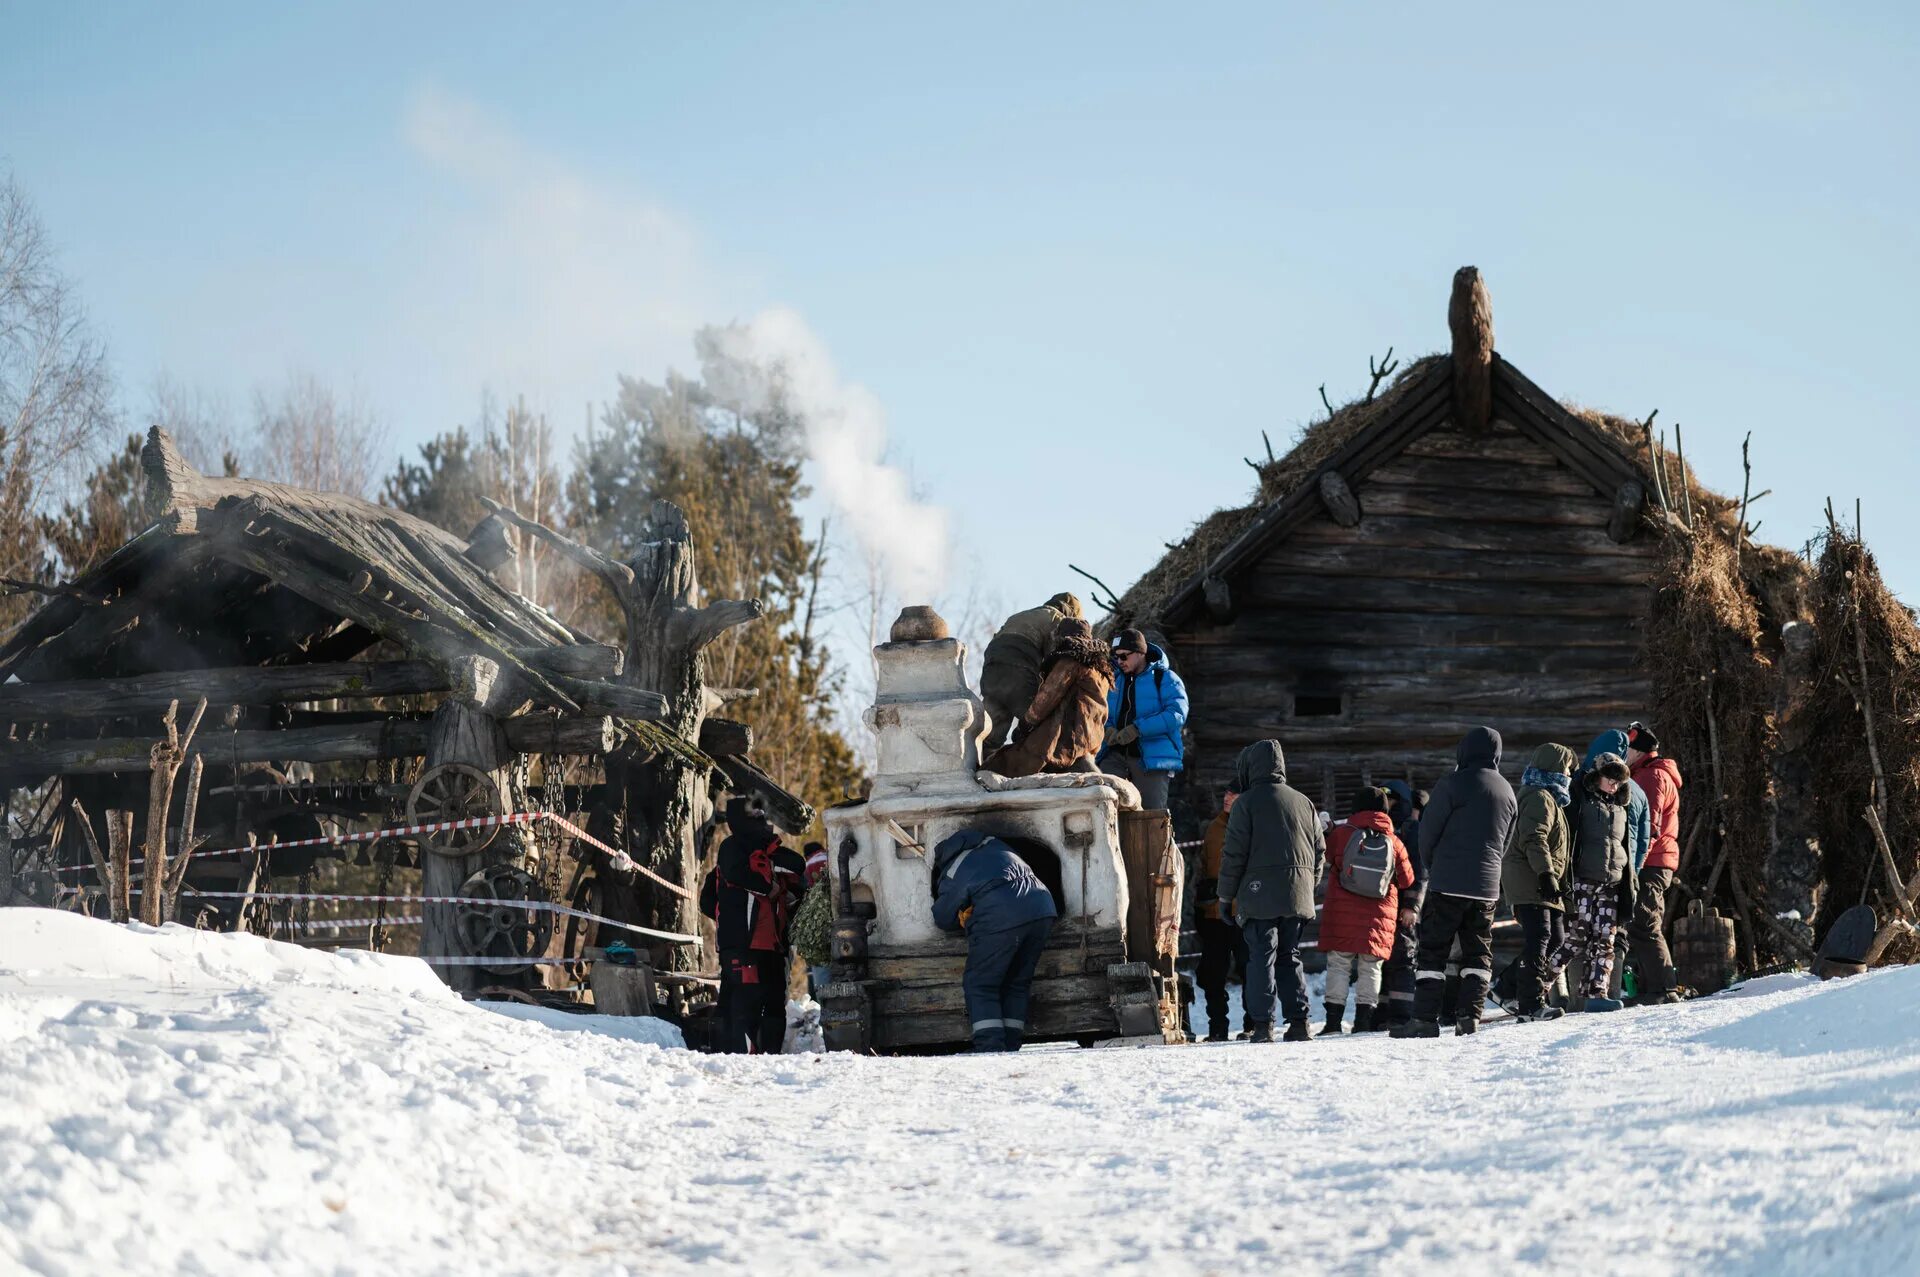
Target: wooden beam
{"points": [[785, 810], [1627, 504], [725, 738], [1317, 558], [1339, 499], [1470, 319], [336, 743], [1616, 600], [577, 660], [248, 685]]}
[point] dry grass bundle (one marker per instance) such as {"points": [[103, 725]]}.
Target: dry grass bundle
{"points": [[1867, 723], [1708, 655]]}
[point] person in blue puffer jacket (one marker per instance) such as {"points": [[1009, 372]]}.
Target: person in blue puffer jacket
{"points": [[983, 888], [1146, 712]]}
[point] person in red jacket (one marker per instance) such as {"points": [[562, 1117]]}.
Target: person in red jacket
{"points": [[1357, 928], [755, 885], [1659, 777]]}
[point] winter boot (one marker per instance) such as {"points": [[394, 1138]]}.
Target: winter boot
{"points": [[1259, 1033], [1013, 1038], [1217, 1031], [1334, 1016], [1363, 1019], [1297, 1031], [1604, 1004], [1542, 1013], [1465, 1025], [1416, 1029]]}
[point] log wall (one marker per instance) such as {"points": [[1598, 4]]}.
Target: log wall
{"points": [[1479, 586]]}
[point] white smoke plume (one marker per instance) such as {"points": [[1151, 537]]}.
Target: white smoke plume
{"points": [[776, 361]]}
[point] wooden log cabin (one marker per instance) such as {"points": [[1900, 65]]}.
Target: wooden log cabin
{"points": [[1461, 549]]}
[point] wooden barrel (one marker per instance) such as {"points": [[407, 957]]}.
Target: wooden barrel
{"points": [[1703, 949]]}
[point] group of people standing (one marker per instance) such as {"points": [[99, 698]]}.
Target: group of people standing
{"points": [[1583, 854], [1059, 700]]}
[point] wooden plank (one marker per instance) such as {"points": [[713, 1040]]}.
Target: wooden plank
{"points": [[1384, 735], [1455, 533], [1219, 667], [249, 685], [1512, 507], [1506, 447], [1059, 960], [1480, 476], [1400, 689], [342, 742], [1606, 600], [1045, 1018], [1334, 620], [923, 999], [1332, 559]]}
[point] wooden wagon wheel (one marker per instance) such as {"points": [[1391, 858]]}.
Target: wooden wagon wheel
{"points": [[454, 791]]}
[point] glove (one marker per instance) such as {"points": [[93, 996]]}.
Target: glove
{"points": [[1549, 887], [1127, 735], [966, 916]]}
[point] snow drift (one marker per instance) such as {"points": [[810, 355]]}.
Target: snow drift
{"points": [[173, 1102]]}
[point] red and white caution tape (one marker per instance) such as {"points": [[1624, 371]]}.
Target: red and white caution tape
{"points": [[546, 906], [620, 858], [343, 924]]}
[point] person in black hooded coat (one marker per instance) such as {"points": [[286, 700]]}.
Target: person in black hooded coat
{"points": [[1463, 835], [756, 884]]}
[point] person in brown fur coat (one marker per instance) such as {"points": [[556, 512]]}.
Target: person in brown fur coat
{"points": [[1061, 730]]}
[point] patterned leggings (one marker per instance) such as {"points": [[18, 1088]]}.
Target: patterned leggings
{"points": [[1590, 928]]}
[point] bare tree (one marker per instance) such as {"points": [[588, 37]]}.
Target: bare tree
{"points": [[306, 435], [55, 394]]}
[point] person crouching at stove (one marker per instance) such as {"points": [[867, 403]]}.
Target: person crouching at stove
{"points": [[984, 890]]}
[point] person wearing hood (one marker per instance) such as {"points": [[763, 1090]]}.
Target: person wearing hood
{"points": [[1600, 821], [984, 890], [1463, 835], [1639, 842], [756, 884], [1367, 869], [1060, 730], [1406, 807], [1010, 670], [1533, 873], [1220, 940], [1269, 864], [1146, 713], [1659, 779]]}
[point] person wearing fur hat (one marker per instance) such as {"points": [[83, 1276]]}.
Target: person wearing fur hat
{"points": [[1010, 671], [1061, 728], [1533, 873], [1598, 818], [1358, 926]]}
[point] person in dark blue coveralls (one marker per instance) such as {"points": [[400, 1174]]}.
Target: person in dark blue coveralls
{"points": [[981, 887]]}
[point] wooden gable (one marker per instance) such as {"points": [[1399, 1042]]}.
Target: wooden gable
{"points": [[1497, 577]]}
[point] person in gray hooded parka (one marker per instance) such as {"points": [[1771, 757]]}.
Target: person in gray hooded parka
{"points": [[1463, 836], [1269, 866]]}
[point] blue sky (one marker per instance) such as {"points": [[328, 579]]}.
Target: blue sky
{"points": [[1082, 255]]}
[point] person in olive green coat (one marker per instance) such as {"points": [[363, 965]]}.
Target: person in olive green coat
{"points": [[1533, 872], [1010, 669]]}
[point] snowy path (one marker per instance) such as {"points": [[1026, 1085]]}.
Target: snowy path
{"points": [[206, 1104]]}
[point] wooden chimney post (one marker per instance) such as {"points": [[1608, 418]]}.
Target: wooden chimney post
{"points": [[1470, 317]]}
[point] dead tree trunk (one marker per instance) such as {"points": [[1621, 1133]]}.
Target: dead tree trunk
{"points": [[166, 759], [666, 797]]}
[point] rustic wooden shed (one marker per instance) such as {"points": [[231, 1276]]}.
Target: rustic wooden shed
{"points": [[362, 670], [1459, 549]]}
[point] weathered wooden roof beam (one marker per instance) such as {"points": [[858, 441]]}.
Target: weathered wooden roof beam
{"points": [[336, 743]]}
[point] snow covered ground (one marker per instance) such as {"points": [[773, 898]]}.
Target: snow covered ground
{"points": [[179, 1102]]}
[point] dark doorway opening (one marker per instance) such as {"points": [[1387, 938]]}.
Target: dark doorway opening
{"points": [[1317, 705]]}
